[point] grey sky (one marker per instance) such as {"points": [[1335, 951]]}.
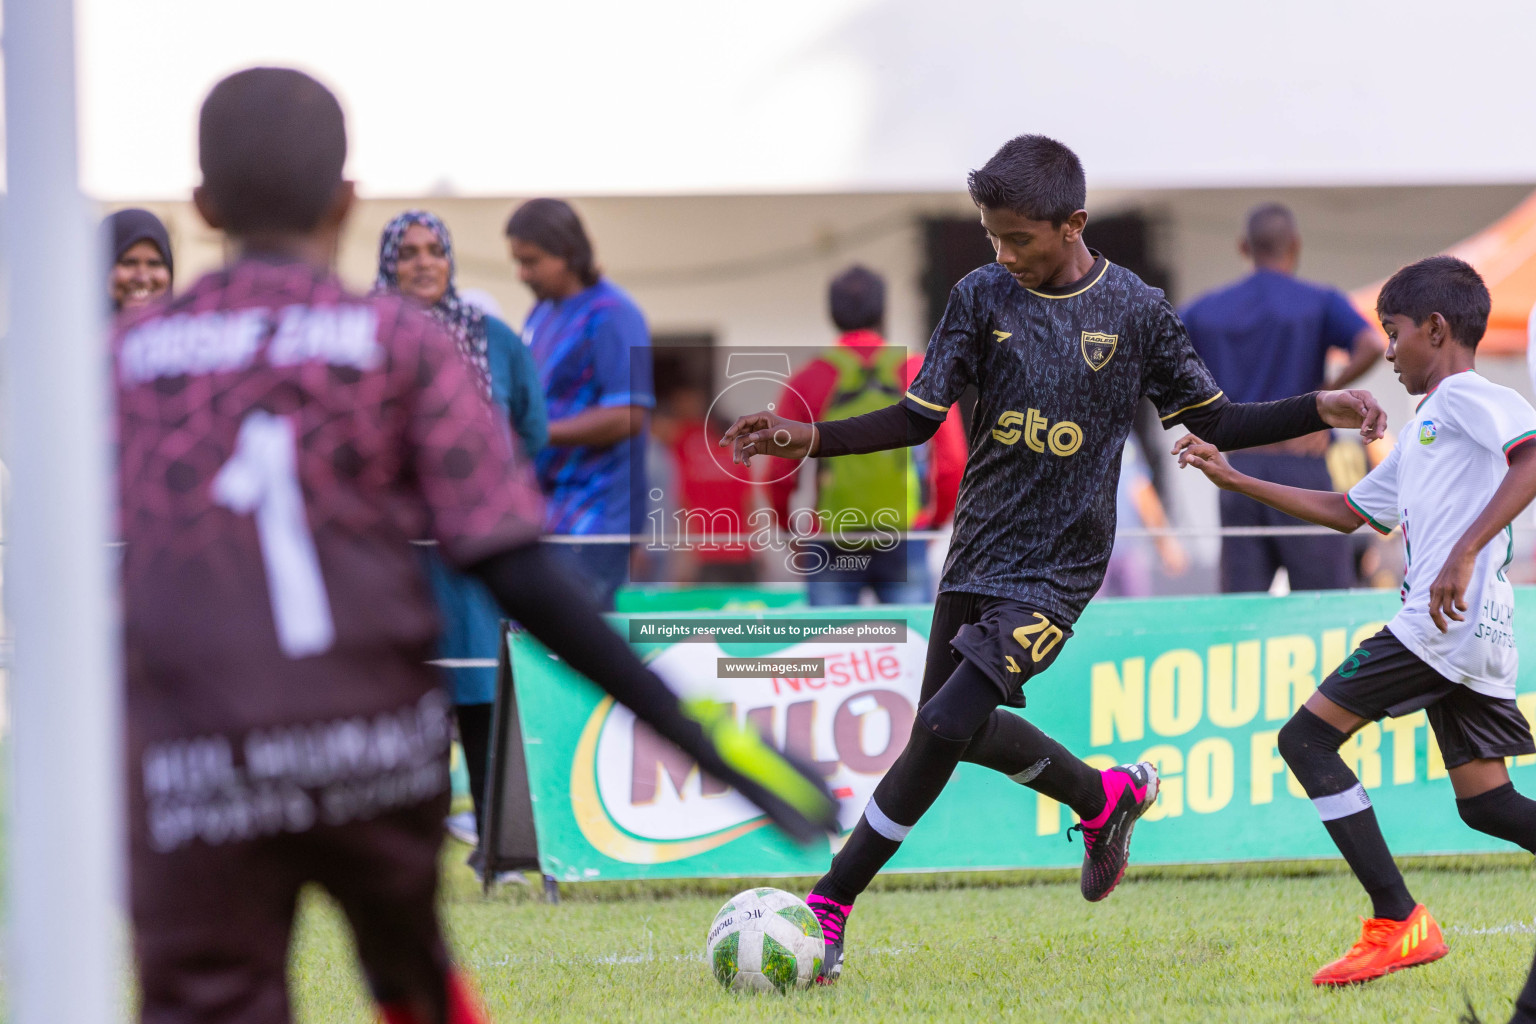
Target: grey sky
{"points": [[485, 96]]}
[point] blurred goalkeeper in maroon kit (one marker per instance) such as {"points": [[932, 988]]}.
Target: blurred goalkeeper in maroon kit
{"points": [[282, 442], [1061, 346]]}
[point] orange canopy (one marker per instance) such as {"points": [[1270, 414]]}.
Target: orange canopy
{"points": [[1505, 254]]}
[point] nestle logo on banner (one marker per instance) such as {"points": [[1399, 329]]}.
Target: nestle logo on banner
{"points": [[792, 726], [851, 722]]}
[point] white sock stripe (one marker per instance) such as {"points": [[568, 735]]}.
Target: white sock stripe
{"points": [[1342, 805], [1031, 773], [884, 825]]}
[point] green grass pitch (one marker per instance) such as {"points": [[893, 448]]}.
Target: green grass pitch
{"points": [[1171, 945]]}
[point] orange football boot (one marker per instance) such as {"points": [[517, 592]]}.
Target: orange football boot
{"points": [[1386, 946]]}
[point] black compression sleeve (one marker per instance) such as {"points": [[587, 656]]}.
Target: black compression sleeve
{"points": [[895, 426], [536, 591], [1230, 425]]}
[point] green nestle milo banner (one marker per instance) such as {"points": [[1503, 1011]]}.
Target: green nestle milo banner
{"points": [[1199, 686]]}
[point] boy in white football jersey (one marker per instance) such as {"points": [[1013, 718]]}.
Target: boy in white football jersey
{"points": [[1463, 468]]}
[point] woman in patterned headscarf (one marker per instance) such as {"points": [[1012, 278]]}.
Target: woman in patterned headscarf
{"points": [[416, 260]]}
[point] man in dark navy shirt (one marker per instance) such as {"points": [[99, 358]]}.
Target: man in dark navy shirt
{"points": [[1266, 337], [1061, 346]]}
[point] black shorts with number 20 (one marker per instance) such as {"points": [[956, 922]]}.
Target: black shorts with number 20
{"points": [[1007, 640], [1384, 679]]}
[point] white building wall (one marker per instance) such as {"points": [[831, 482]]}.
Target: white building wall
{"points": [[753, 269]]}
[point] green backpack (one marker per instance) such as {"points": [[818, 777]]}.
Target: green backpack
{"points": [[866, 484]]}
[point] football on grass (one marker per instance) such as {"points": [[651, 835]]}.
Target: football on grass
{"points": [[765, 940]]}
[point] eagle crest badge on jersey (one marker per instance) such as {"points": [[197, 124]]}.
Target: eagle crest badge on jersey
{"points": [[1427, 432], [1098, 349]]}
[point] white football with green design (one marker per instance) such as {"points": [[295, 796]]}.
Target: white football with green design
{"points": [[765, 940]]}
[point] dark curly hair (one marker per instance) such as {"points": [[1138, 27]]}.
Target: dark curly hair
{"points": [[1444, 285], [1035, 177]]}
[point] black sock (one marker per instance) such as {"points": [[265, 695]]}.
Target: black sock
{"points": [[1503, 813], [909, 788], [1311, 747], [940, 734], [1359, 839], [860, 859], [1010, 744]]}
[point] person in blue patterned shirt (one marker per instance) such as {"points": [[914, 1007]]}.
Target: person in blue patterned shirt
{"points": [[592, 347]]}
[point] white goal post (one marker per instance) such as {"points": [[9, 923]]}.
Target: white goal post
{"points": [[63, 833]]}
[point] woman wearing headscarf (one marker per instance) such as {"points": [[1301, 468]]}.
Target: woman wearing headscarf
{"points": [[142, 269], [416, 260]]}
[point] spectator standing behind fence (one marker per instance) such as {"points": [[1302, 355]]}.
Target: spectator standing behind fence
{"points": [[416, 260], [142, 269], [859, 374], [592, 348], [714, 503], [1265, 338]]}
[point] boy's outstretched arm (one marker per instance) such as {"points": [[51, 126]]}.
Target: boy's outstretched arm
{"points": [[1325, 508], [1448, 594], [767, 433], [1232, 425]]}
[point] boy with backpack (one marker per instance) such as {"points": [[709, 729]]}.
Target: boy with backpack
{"points": [[886, 491]]}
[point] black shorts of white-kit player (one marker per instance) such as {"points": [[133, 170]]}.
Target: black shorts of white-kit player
{"points": [[1383, 679]]}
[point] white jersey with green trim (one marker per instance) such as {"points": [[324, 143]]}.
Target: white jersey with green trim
{"points": [[1448, 461]]}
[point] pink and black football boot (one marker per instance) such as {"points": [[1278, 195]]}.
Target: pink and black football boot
{"points": [[1129, 790], [834, 918]]}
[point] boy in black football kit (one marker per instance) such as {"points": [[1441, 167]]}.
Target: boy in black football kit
{"points": [[1061, 345]]}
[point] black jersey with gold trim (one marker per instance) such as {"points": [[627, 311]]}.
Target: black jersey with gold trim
{"points": [[1059, 373]]}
